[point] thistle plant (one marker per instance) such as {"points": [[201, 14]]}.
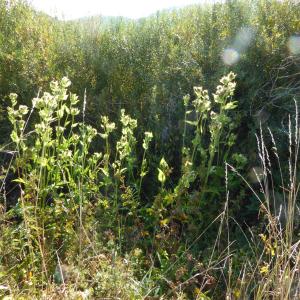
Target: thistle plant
{"points": [[147, 139], [125, 146], [56, 172], [107, 127], [17, 118], [213, 128], [203, 157], [70, 194]]}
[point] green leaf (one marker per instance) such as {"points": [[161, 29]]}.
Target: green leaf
{"points": [[14, 137], [105, 171], [193, 123], [230, 105], [19, 180], [163, 164], [161, 176], [103, 135]]}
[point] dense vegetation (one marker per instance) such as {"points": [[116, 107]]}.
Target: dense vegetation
{"points": [[172, 174]]}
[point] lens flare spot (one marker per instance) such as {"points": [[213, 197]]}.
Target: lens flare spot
{"points": [[230, 56], [261, 117], [243, 39], [294, 45], [256, 175]]}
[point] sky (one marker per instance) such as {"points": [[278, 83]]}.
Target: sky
{"points": [[73, 9]]}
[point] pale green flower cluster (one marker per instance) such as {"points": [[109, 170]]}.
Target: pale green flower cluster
{"points": [[127, 142], [202, 102], [225, 90], [16, 117], [108, 127], [148, 138], [213, 127]]}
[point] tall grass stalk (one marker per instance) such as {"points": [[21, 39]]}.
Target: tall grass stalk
{"points": [[274, 273]]}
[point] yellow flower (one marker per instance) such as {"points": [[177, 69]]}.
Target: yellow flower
{"points": [[264, 269], [237, 293], [263, 237]]}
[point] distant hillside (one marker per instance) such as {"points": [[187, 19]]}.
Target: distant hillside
{"points": [[111, 20], [102, 19]]}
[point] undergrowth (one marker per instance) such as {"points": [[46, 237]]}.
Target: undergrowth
{"points": [[85, 227]]}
